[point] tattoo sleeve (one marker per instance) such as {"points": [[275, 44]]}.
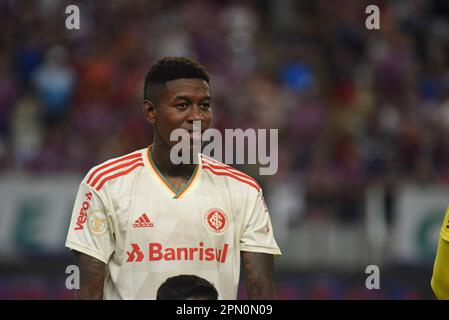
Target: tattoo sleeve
{"points": [[92, 276], [258, 270]]}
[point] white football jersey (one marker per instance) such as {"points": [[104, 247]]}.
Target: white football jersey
{"points": [[128, 216]]}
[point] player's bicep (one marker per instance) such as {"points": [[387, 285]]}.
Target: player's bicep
{"points": [[258, 273], [92, 276]]}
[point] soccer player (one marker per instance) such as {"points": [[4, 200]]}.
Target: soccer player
{"points": [[440, 277], [186, 287], [140, 219]]}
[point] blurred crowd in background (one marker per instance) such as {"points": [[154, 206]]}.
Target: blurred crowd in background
{"points": [[354, 107]]}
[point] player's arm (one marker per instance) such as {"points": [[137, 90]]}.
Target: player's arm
{"points": [[92, 276], [92, 248], [257, 247], [440, 277], [258, 273]]}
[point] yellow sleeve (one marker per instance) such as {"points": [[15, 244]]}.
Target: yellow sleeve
{"points": [[440, 277]]}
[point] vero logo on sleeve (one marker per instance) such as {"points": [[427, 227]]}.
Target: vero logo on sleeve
{"points": [[82, 215]]}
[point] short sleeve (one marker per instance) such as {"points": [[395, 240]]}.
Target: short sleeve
{"points": [[90, 231], [257, 233]]}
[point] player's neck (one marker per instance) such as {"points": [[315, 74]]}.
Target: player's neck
{"points": [[160, 154]]}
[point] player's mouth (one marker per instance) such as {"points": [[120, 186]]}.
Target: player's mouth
{"points": [[195, 135]]}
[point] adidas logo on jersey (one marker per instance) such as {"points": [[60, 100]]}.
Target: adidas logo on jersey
{"points": [[143, 222]]}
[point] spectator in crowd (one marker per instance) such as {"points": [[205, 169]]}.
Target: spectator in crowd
{"points": [[351, 104]]}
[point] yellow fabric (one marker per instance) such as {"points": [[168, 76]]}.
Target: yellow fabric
{"points": [[440, 277]]}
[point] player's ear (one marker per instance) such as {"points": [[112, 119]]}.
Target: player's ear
{"points": [[149, 111]]}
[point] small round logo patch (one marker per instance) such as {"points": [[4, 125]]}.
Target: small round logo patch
{"points": [[98, 223], [216, 220]]}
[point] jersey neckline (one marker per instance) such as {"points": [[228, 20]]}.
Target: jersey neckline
{"points": [[176, 194]]}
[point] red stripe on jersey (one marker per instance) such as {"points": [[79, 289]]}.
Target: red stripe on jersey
{"points": [[123, 165], [118, 174], [131, 156], [141, 220], [218, 165], [229, 174], [215, 162], [237, 173], [146, 217]]}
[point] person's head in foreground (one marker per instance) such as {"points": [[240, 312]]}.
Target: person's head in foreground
{"points": [[187, 287]]}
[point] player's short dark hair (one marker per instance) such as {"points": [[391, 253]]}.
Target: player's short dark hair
{"points": [[171, 68], [185, 287]]}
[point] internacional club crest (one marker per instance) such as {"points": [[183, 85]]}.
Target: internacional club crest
{"points": [[98, 223], [216, 220]]}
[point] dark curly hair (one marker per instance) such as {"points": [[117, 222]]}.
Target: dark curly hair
{"points": [[171, 68], [185, 287]]}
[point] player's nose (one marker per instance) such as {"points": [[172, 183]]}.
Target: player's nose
{"points": [[195, 114]]}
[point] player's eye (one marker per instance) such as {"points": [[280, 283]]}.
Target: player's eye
{"points": [[182, 106], [206, 106]]}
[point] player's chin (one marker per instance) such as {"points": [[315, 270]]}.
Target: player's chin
{"points": [[189, 150], [194, 147]]}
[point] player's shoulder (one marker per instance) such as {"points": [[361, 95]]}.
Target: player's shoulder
{"points": [[114, 168], [234, 177]]}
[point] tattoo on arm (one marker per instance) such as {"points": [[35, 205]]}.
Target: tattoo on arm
{"points": [[92, 276], [258, 270]]}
